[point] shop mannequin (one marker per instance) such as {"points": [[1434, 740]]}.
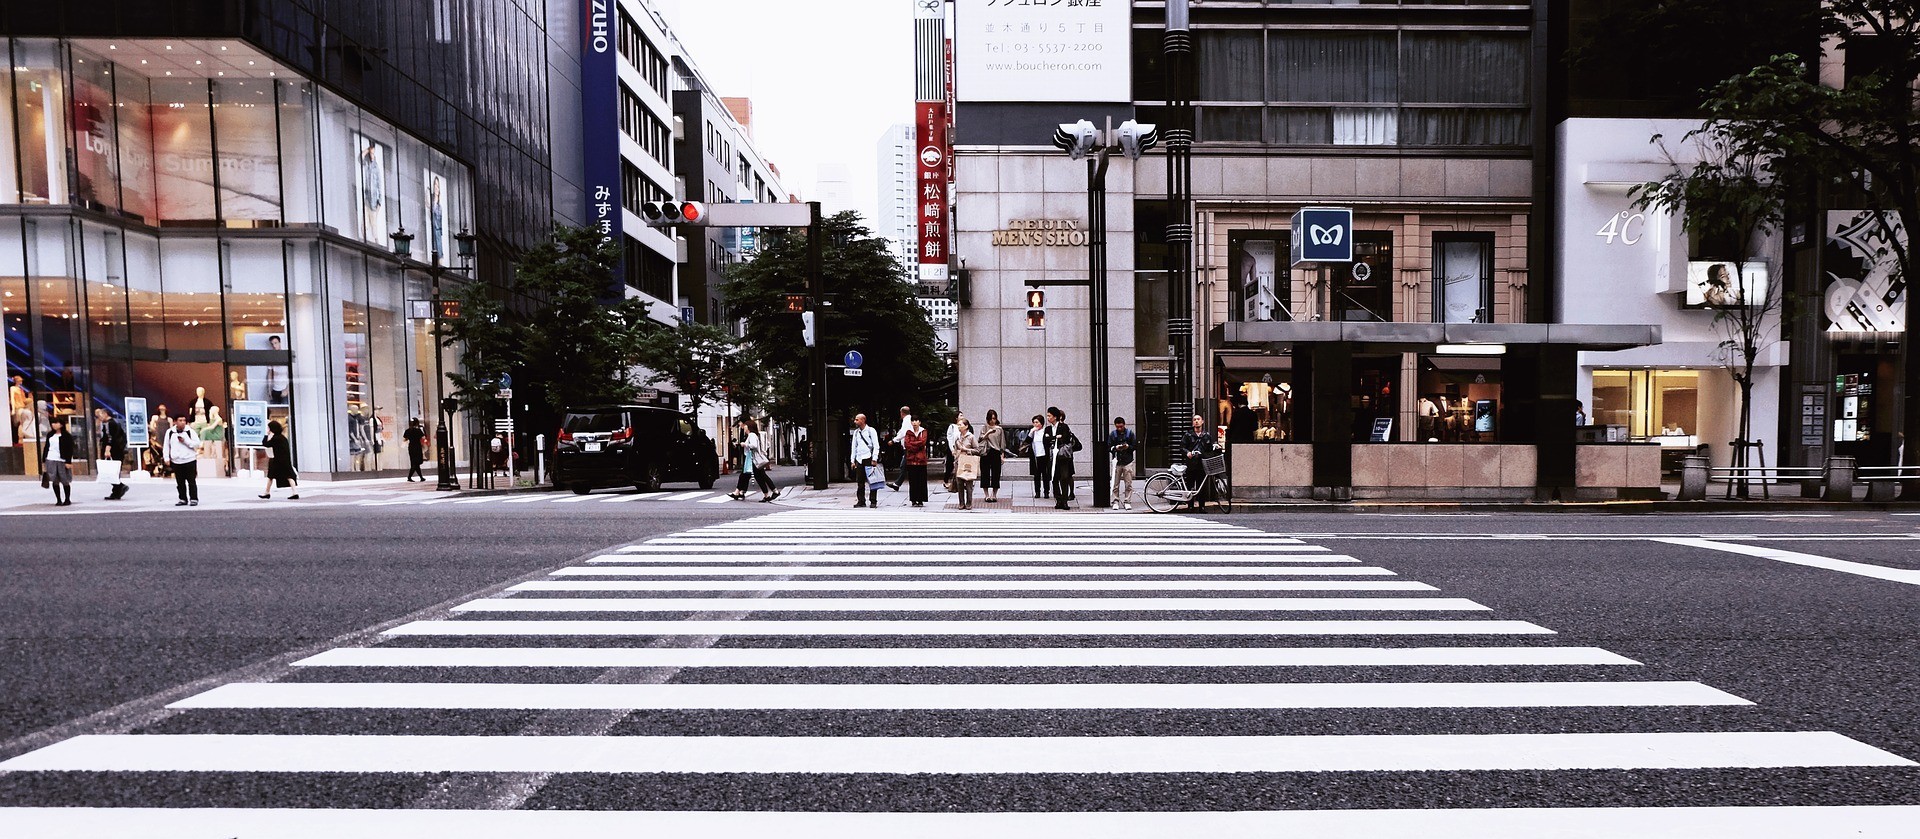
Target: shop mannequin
{"points": [[201, 405], [236, 386], [214, 435], [1429, 419], [1282, 409], [19, 407]]}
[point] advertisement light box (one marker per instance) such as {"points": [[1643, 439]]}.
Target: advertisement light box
{"points": [[1713, 285]]}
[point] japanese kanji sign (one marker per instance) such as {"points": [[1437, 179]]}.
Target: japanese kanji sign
{"points": [[1043, 50], [930, 188]]}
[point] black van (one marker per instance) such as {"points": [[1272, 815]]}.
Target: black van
{"points": [[632, 445]]}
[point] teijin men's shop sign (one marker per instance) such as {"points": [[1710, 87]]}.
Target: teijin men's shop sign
{"points": [[1041, 233]]}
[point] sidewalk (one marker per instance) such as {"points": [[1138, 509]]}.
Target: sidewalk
{"points": [[25, 496], [1015, 497]]}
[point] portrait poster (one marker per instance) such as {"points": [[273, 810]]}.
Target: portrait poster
{"points": [[434, 222], [268, 382], [370, 188], [1257, 284]]}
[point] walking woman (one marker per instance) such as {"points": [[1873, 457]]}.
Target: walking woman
{"points": [[993, 450], [416, 438], [965, 445], [280, 461], [1034, 448], [753, 461], [54, 471], [914, 440]]}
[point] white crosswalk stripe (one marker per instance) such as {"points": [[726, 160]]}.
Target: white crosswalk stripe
{"points": [[1017, 655]]}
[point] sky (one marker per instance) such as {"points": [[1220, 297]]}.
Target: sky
{"points": [[826, 78]]}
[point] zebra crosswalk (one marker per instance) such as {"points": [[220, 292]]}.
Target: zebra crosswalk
{"points": [[820, 673]]}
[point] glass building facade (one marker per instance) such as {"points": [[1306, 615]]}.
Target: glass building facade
{"points": [[195, 223]]}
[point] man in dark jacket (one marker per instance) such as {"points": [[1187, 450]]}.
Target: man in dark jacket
{"points": [[112, 446], [1060, 446], [1199, 443]]}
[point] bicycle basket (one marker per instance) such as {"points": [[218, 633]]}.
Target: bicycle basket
{"points": [[1215, 465]]}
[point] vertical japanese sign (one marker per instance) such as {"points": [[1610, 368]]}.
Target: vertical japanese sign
{"points": [[600, 126], [930, 136]]}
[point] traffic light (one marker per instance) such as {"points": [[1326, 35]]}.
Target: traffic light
{"points": [[1036, 308], [664, 213], [806, 328]]}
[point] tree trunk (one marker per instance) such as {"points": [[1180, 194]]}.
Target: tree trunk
{"points": [[1746, 426]]}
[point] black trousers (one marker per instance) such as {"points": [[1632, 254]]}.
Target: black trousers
{"points": [[1062, 484], [990, 469], [917, 484], [1042, 487], [417, 458], [186, 479], [861, 489]]}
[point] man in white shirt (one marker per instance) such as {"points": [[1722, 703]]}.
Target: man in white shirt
{"points": [[864, 450], [181, 448], [900, 437]]}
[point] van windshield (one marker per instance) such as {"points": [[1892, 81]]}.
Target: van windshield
{"points": [[598, 423]]}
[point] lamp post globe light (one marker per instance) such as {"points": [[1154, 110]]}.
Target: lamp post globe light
{"points": [[443, 432], [1083, 141]]}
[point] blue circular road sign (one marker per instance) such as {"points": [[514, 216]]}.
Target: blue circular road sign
{"points": [[853, 359]]}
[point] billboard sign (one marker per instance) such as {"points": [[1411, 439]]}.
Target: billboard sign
{"points": [[1033, 52], [1323, 234], [930, 222], [600, 128], [249, 423]]}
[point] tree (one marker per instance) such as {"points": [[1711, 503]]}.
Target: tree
{"points": [[579, 347], [697, 359], [1733, 195], [1862, 134], [489, 346], [873, 310]]}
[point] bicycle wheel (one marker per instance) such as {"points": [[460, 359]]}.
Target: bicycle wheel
{"points": [[1223, 494], [1154, 493]]}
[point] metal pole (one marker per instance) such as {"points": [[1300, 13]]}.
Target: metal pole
{"points": [[1178, 51], [817, 436], [1097, 316], [443, 434]]}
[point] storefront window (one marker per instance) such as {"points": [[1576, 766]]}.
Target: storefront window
{"points": [[1463, 278], [1649, 403], [299, 158], [1376, 398], [1363, 291], [1460, 399], [182, 134], [133, 112], [95, 134], [1258, 403], [39, 108], [190, 304], [249, 153], [1260, 287]]}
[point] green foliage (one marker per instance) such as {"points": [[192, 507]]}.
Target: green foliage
{"points": [[489, 344], [696, 359], [580, 346], [873, 310]]}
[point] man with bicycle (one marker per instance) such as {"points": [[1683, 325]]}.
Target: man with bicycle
{"points": [[1199, 443]]}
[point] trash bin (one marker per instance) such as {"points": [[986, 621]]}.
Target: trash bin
{"points": [[1693, 478], [1840, 473]]}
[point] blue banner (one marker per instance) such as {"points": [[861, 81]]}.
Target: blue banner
{"points": [[249, 423], [600, 128]]}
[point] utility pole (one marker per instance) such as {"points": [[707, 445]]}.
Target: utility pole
{"points": [[1178, 51], [819, 437]]}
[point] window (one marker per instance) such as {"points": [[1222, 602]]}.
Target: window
{"points": [[637, 189], [1363, 291], [642, 54], [1463, 278], [647, 130], [1650, 403], [1261, 285]]}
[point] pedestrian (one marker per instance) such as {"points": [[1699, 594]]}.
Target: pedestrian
{"points": [[157, 427], [914, 441], [753, 461], [280, 461], [497, 454], [111, 452], [416, 438], [54, 471], [1061, 444], [1199, 443], [1121, 442], [181, 450], [953, 440], [966, 462], [864, 450], [1033, 447], [899, 442], [993, 451]]}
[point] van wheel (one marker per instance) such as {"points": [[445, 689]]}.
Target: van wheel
{"points": [[582, 488], [654, 479], [707, 482]]}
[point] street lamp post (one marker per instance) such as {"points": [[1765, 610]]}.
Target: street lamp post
{"points": [[448, 406], [1083, 140]]}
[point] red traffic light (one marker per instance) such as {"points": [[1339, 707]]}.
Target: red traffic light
{"points": [[692, 212]]}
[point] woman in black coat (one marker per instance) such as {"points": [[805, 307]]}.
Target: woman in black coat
{"points": [[280, 461]]}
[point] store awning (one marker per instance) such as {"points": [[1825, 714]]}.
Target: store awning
{"points": [[1423, 337]]}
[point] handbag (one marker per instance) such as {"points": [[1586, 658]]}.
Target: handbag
{"points": [[107, 470], [966, 467], [876, 477]]}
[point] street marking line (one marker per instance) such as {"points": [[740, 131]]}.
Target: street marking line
{"points": [[527, 500], [387, 656], [972, 604], [1878, 572], [575, 499], [1082, 548], [963, 570], [995, 556], [718, 499], [948, 755], [959, 697], [684, 496], [481, 500], [983, 627], [622, 498], [973, 585], [1759, 822]]}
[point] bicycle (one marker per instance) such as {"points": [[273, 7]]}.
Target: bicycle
{"points": [[1167, 489]]}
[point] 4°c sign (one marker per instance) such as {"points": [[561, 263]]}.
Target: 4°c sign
{"points": [[1323, 234]]}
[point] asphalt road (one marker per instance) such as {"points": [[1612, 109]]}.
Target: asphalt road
{"points": [[1785, 679]]}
